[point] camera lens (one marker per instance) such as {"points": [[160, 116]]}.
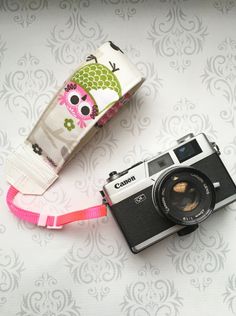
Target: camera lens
{"points": [[184, 195]]}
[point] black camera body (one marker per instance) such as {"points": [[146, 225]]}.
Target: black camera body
{"points": [[171, 192]]}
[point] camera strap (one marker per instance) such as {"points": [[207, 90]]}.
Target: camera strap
{"points": [[87, 101], [52, 221]]}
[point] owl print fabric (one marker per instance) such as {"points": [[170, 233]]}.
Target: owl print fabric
{"points": [[93, 88], [99, 85], [79, 104]]}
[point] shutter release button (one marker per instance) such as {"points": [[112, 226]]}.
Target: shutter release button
{"points": [[112, 176]]}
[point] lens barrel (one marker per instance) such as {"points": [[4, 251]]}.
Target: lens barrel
{"points": [[184, 195]]}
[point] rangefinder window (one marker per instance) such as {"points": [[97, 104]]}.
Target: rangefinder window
{"points": [[159, 164], [187, 151]]}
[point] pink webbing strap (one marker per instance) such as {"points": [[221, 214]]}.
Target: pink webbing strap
{"points": [[51, 221]]}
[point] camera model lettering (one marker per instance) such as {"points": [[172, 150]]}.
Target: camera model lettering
{"points": [[125, 182], [140, 198]]}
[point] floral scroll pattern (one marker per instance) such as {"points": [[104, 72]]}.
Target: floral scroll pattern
{"points": [[2, 229], [224, 6], [152, 83], [71, 42], [198, 256], [91, 158], [2, 50], [136, 121], [11, 268], [137, 153], [28, 90], [125, 9], [96, 264], [186, 119], [231, 150], [5, 146], [48, 299], [178, 37], [220, 77], [229, 297], [24, 12], [151, 295]]}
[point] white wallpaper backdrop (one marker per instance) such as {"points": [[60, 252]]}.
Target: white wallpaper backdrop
{"points": [[187, 51]]}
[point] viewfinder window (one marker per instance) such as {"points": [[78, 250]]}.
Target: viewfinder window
{"points": [[188, 151]]}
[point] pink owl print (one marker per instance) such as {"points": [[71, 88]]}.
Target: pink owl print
{"points": [[79, 103]]}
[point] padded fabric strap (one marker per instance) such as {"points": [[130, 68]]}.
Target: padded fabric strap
{"points": [[51, 221]]}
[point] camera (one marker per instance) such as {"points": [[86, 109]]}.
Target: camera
{"points": [[169, 193]]}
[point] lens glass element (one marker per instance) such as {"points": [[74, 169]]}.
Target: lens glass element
{"points": [[184, 196]]}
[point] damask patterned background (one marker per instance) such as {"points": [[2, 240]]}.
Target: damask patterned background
{"points": [[187, 51]]}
